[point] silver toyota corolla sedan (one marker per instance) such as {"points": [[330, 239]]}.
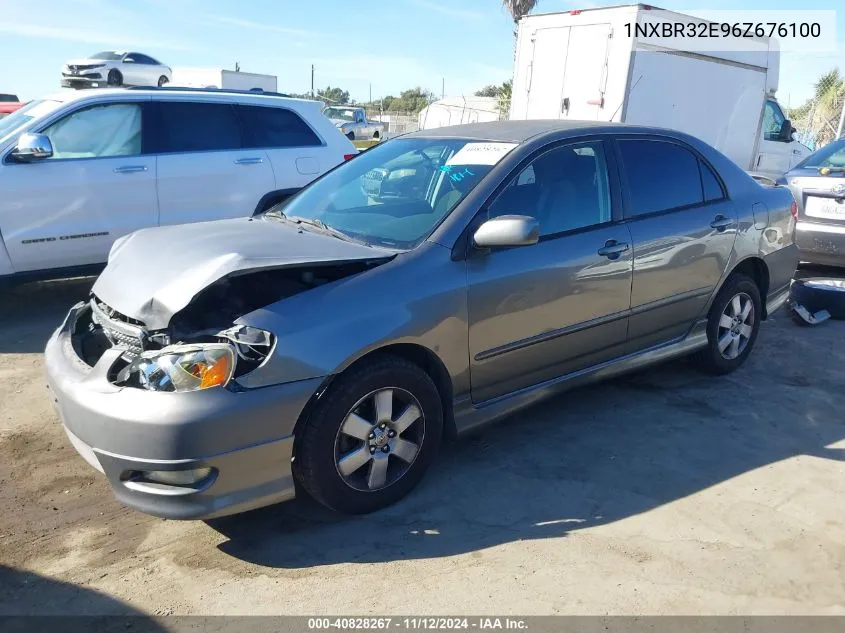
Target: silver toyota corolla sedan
{"points": [[428, 286], [818, 184]]}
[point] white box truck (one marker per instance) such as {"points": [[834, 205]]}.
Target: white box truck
{"points": [[222, 78], [607, 65]]}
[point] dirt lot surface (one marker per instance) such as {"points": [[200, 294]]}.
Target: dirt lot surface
{"points": [[661, 492]]}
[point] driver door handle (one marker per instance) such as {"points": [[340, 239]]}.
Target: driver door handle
{"points": [[613, 249]]}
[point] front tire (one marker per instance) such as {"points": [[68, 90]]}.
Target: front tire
{"points": [[114, 78], [162, 80], [350, 136], [371, 437], [732, 326]]}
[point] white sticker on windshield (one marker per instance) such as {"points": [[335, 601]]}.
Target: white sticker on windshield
{"points": [[481, 153]]}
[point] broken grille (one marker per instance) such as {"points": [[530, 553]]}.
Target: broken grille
{"points": [[119, 329]]}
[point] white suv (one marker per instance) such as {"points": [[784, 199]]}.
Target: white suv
{"points": [[80, 169]]}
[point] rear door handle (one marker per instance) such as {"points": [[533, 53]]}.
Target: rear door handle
{"points": [[613, 249], [130, 169], [254, 160], [720, 223]]}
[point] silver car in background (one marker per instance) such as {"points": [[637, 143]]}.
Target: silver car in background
{"points": [[818, 185], [428, 286]]}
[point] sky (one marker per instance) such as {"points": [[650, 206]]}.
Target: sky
{"points": [[376, 47]]}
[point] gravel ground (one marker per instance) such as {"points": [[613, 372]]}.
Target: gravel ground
{"points": [[661, 492]]}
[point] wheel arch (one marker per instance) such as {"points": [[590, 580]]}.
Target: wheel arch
{"points": [[755, 268], [419, 355]]}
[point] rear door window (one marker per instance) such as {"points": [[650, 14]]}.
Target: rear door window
{"points": [[269, 127], [660, 176], [198, 127]]}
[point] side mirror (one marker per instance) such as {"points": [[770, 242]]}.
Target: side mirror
{"points": [[32, 147], [508, 230], [786, 131]]}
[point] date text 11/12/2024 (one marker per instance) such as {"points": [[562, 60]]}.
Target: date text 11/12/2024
{"points": [[416, 623]]}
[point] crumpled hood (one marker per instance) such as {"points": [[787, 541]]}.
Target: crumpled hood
{"points": [[154, 273]]}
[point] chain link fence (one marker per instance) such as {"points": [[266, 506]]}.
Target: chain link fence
{"points": [[397, 122], [821, 118]]}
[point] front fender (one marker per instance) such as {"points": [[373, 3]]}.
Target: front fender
{"points": [[417, 298]]}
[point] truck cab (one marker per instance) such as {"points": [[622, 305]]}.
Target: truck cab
{"points": [[778, 150]]}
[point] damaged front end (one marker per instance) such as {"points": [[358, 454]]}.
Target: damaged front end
{"points": [[202, 346]]}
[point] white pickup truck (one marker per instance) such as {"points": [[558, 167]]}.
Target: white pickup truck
{"points": [[606, 65], [80, 169], [353, 123]]}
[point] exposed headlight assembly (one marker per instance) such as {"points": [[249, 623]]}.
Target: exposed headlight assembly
{"points": [[180, 368]]}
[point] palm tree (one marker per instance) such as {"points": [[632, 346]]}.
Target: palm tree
{"points": [[818, 118], [519, 9]]}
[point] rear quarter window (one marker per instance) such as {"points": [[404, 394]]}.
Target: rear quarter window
{"points": [[660, 176], [269, 127], [710, 183]]}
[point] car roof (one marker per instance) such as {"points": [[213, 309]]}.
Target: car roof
{"points": [[521, 131], [244, 96]]}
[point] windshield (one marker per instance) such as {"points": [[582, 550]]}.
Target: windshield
{"points": [[831, 155], [347, 114], [111, 56], [395, 194], [19, 118]]}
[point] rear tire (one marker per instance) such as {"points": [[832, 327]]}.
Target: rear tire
{"points": [[114, 78], [732, 326], [361, 449]]}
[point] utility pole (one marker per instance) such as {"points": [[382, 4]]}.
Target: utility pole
{"points": [[371, 93], [312, 81], [443, 89]]}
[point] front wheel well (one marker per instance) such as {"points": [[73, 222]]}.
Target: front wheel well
{"points": [[420, 356], [756, 269]]}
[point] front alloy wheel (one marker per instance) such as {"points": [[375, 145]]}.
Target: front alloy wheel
{"points": [[375, 446], [371, 436]]}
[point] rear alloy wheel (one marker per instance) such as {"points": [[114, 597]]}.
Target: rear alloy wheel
{"points": [[162, 80], [732, 326], [371, 436], [114, 78]]}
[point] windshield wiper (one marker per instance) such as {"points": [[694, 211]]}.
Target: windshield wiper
{"points": [[317, 224]]}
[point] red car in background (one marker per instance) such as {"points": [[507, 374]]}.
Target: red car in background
{"points": [[8, 104]]}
